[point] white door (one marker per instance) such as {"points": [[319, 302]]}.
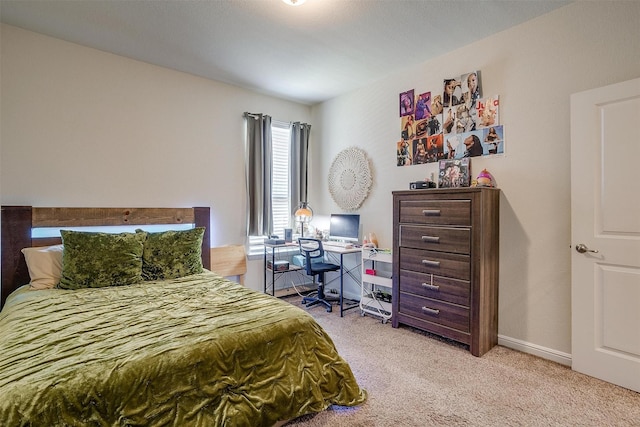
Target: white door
{"points": [[605, 233]]}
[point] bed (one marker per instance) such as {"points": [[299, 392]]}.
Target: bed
{"points": [[180, 349]]}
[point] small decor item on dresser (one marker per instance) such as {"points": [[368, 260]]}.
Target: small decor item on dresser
{"points": [[485, 179], [454, 173]]}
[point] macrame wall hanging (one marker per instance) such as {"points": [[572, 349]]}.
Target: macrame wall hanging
{"points": [[350, 178]]}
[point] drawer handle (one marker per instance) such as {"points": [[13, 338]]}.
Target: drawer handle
{"points": [[431, 239], [431, 263], [431, 212], [431, 287], [431, 310]]}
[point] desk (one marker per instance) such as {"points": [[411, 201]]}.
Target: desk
{"points": [[337, 253], [273, 253]]}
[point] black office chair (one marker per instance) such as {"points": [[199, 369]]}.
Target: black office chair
{"points": [[315, 265]]}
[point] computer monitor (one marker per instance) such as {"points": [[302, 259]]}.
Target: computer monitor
{"points": [[345, 227]]}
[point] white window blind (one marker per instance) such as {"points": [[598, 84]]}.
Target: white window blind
{"points": [[281, 136]]}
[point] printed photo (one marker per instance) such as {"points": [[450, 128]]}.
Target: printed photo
{"points": [[452, 92], [449, 117], [465, 119], [420, 151], [421, 128], [493, 140], [434, 125], [423, 106], [461, 145], [488, 110], [435, 149], [436, 105], [408, 130], [403, 153], [471, 89], [406, 103]]}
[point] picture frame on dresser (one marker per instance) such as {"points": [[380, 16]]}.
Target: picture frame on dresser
{"points": [[446, 263], [454, 173]]}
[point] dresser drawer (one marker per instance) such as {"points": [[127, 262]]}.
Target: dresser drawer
{"points": [[443, 239], [440, 263], [439, 212], [435, 287], [450, 315]]}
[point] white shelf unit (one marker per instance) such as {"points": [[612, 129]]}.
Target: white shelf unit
{"points": [[375, 286]]}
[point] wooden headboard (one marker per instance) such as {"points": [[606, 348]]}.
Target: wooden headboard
{"points": [[17, 222]]}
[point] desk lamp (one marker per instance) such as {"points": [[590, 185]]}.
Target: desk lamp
{"points": [[303, 215]]}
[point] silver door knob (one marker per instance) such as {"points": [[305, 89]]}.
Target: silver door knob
{"points": [[582, 248]]}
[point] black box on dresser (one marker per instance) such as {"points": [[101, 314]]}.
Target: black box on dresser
{"points": [[446, 263]]}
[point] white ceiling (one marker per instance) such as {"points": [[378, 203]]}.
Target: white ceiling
{"points": [[308, 53]]}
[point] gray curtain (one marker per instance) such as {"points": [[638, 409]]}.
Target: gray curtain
{"points": [[299, 163], [258, 152]]}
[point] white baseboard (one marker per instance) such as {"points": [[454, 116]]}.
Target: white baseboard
{"points": [[536, 350]]}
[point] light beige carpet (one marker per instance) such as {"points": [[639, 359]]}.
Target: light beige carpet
{"points": [[414, 379]]}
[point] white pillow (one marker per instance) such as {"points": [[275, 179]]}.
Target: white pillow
{"points": [[45, 265]]}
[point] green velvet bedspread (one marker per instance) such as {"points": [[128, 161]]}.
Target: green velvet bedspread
{"points": [[195, 351]]}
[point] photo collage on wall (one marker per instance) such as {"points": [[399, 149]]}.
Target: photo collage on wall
{"points": [[453, 123]]}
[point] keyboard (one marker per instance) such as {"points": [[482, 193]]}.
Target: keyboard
{"points": [[340, 245]]}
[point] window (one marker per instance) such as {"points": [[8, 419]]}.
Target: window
{"points": [[277, 155], [281, 205], [281, 137]]}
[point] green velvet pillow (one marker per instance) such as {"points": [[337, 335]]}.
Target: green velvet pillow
{"points": [[96, 260], [172, 254]]}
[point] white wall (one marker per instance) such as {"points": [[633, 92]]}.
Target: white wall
{"points": [[534, 68], [81, 127]]}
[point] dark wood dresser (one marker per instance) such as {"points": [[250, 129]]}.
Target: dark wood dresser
{"points": [[445, 263]]}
